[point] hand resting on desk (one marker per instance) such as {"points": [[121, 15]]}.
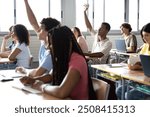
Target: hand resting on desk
{"points": [[136, 66], [21, 70], [134, 63], [33, 83]]}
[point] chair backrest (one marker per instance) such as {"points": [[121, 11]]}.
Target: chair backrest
{"points": [[101, 88], [30, 61]]}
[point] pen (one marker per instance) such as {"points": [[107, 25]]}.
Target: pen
{"points": [[5, 80]]}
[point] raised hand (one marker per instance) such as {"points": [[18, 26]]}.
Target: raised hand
{"points": [[86, 7]]}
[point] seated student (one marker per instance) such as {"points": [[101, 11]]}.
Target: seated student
{"points": [[130, 38], [132, 93], [80, 39], [45, 62], [70, 76], [102, 45], [139, 49], [6, 50], [21, 52]]}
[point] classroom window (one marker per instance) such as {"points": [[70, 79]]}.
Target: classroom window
{"points": [[144, 10], [55, 9], [39, 8], [6, 14], [114, 13], [110, 11], [98, 13], [79, 14], [133, 14]]}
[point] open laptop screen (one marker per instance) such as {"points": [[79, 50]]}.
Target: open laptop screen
{"points": [[120, 45], [145, 61]]}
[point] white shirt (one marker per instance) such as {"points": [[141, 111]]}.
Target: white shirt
{"points": [[103, 46], [23, 58]]}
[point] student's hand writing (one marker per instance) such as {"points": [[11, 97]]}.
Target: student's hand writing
{"points": [[37, 85], [26, 80]]}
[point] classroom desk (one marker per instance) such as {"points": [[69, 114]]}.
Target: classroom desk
{"points": [[125, 74], [10, 93], [118, 55], [5, 60], [121, 53]]}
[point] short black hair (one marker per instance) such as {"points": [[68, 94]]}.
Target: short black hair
{"points": [[50, 23], [107, 25], [146, 28]]}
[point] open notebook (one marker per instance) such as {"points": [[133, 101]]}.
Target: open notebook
{"points": [[19, 85], [120, 45]]}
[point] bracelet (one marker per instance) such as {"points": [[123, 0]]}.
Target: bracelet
{"points": [[43, 87]]}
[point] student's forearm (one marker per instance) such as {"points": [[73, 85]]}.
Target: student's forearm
{"points": [[98, 55], [87, 22], [3, 46], [45, 78]]}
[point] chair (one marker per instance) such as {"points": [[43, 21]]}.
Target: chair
{"points": [[30, 61], [101, 88]]}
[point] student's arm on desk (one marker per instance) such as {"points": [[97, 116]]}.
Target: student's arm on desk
{"points": [[97, 54], [5, 54], [136, 66], [64, 89], [31, 80], [37, 72], [32, 73]]}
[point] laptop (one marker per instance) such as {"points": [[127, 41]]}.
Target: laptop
{"points": [[145, 61], [120, 45]]}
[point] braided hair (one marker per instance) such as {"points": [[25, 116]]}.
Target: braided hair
{"points": [[63, 44]]}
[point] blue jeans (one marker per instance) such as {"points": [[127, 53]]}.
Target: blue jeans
{"points": [[131, 94], [92, 71], [7, 66], [136, 95], [119, 90]]}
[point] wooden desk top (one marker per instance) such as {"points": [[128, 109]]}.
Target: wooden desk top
{"points": [[5, 60], [124, 72], [106, 68]]}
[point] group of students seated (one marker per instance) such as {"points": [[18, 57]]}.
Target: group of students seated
{"points": [[64, 61]]}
